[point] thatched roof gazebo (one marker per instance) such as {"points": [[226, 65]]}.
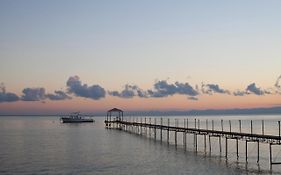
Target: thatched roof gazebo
{"points": [[115, 112]]}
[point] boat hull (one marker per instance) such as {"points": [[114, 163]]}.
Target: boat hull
{"points": [[71, 120]]}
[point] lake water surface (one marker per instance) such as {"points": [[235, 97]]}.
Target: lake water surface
{"points": [[43, 145]]}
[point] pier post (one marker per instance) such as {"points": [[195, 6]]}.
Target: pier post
{"points": [[149, 126], [262, 127], [137, 127], [155, 128], [246, 151], [270, 156], [226, 147], [176, 133], [237, 149], [258, 159], [161, 123], [184, 134], [220, 144], [185, 145], [251, 126], [176, 138], [198, 123], [195, 142], [168, 130], [229, 125], [205, 147], [210, 145], [141, 126], [145, 126], [240, 128], [221, 125], [195, 123], [279, 131]]}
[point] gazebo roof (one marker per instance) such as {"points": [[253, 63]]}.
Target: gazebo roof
{"points": [[115, 110]]}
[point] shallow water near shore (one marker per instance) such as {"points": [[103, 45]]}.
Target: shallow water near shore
{"points": [[43, 145]]}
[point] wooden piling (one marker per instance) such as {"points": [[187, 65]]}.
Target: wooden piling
{"points": [[150, 127], [141, 126], [220, 145], [205, 147], [221, 125], [176, 142], [145, 127], [251, 126], [155, 129], [196, 147], [210, 145], [279, 131], [237, 149], [226, 147], [161, 123], [240, 127], [229, 125], [270, 156], [168, 134], [262, 128], [246, 151], [258, 158]]}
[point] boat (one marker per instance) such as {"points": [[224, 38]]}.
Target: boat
{"points": [[76, 117]]}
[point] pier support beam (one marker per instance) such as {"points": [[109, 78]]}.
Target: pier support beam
{"points": [[195, 142], [168, 134], [150, 127], [205, 147], [246, 150], [237, 149], [226, 148], [270, 156], [220, 144], [176, 142], [210, 145], [155, 132], [184, 136], [258, 159], [161, 123]]}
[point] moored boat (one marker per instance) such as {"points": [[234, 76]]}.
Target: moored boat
{"points": [[76, 118]]}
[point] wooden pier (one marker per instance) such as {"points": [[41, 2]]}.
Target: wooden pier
{"points": [[142, 125]]}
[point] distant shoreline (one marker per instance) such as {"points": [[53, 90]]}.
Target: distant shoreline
{"points": [[208, 112]]}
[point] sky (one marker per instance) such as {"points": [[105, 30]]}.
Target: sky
{"points": [[60, 56]]}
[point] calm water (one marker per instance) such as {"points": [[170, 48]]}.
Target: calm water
{"points": [[43, 145]]}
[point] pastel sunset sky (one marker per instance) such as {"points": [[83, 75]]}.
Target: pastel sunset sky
{"points": [[60, 56]]}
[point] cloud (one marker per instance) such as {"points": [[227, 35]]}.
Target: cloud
{"points": [[75, 86], [7, 96], [213, 88], [33, 94], [129, 92], [192, 98], [163, 89], [239, 93], [253, 89], [277, 83], [58, 95]]}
